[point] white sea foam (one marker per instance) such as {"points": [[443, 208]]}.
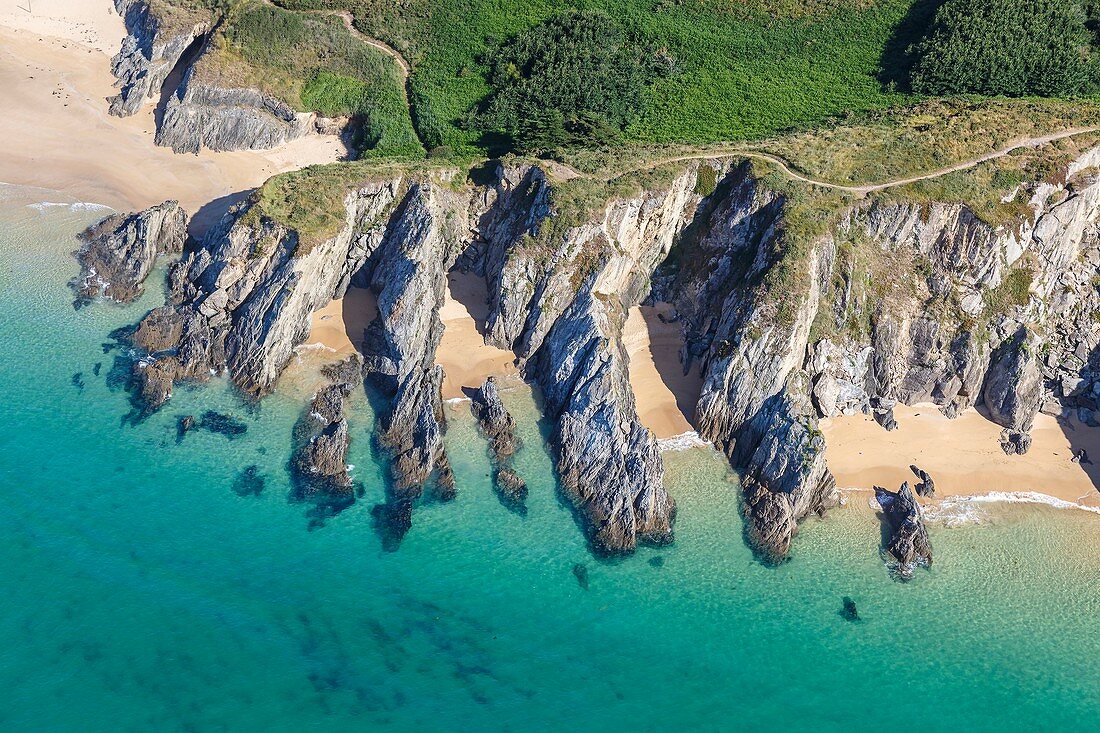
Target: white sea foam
{"points": [[1022, 497], [77, 206], [457, 400], [683, 441]]}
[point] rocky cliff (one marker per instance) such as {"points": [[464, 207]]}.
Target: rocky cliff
{"points": [[118, 253], [169, 54], [154, 45], [792, 308], [206, 114], [963, 312]]}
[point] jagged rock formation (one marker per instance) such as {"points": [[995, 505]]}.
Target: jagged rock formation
{"points": [[926, 487], [559, 292], [409, 274], [204, 114], [202, 111], [118, 253], [908, 545], [1001, 319], [319, 465], [241, 301], [154, 45], [1013, 390], [755, 403], [498, 425], [786, 324]]}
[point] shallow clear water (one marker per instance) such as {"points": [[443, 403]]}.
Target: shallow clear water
{"points": [[141, 593]]}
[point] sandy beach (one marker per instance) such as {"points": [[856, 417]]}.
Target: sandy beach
{"points": [[664, 395], [962, 455], [465, 357], [55, 132]]}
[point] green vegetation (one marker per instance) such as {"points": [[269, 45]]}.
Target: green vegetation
{"points": [[1012, 48], [737, 69], [574, 80], [312, 62]]}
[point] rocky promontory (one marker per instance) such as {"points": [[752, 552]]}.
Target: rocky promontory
{"points": [[118, 253]]}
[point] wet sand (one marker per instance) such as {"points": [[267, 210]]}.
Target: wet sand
{"points": [[55, 132], [962, 455]]}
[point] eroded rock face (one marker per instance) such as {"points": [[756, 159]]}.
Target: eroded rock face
{"points": [[1000, 319], [118, 253], [908, 545], [1013, 390], [498, 425], [203, 115], [152, 48], [560, 303], [755, 403]]}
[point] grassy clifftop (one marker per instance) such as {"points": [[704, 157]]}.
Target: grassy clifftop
{"points": [[742, 69]]}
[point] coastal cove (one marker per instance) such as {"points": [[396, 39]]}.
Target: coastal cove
{"points": [[135, 567], [415, 442]]}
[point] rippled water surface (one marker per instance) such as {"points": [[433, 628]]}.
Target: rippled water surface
{"points": [[141, 593]]}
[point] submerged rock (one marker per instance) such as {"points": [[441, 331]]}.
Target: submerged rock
{"points": [[498, 425], [580, 572], [848, 610], [392, 521], [119, 252], [249, 482], [908, 544], [227, 425], [184, 425]]}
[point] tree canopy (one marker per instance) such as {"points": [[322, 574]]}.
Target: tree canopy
{"points": [[1007, 47], [576, 78]]}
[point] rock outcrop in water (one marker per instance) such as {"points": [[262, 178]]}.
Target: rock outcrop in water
{"points": [[498, 425], [908, 544], [155, 43], [319, 466], [118, 253]]}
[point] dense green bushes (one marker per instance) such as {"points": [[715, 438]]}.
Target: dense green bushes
{"points": [[574, 79], [1007, 47]]}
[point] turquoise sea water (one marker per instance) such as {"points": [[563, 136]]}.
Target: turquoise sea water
{"points": [[140, 593]]}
